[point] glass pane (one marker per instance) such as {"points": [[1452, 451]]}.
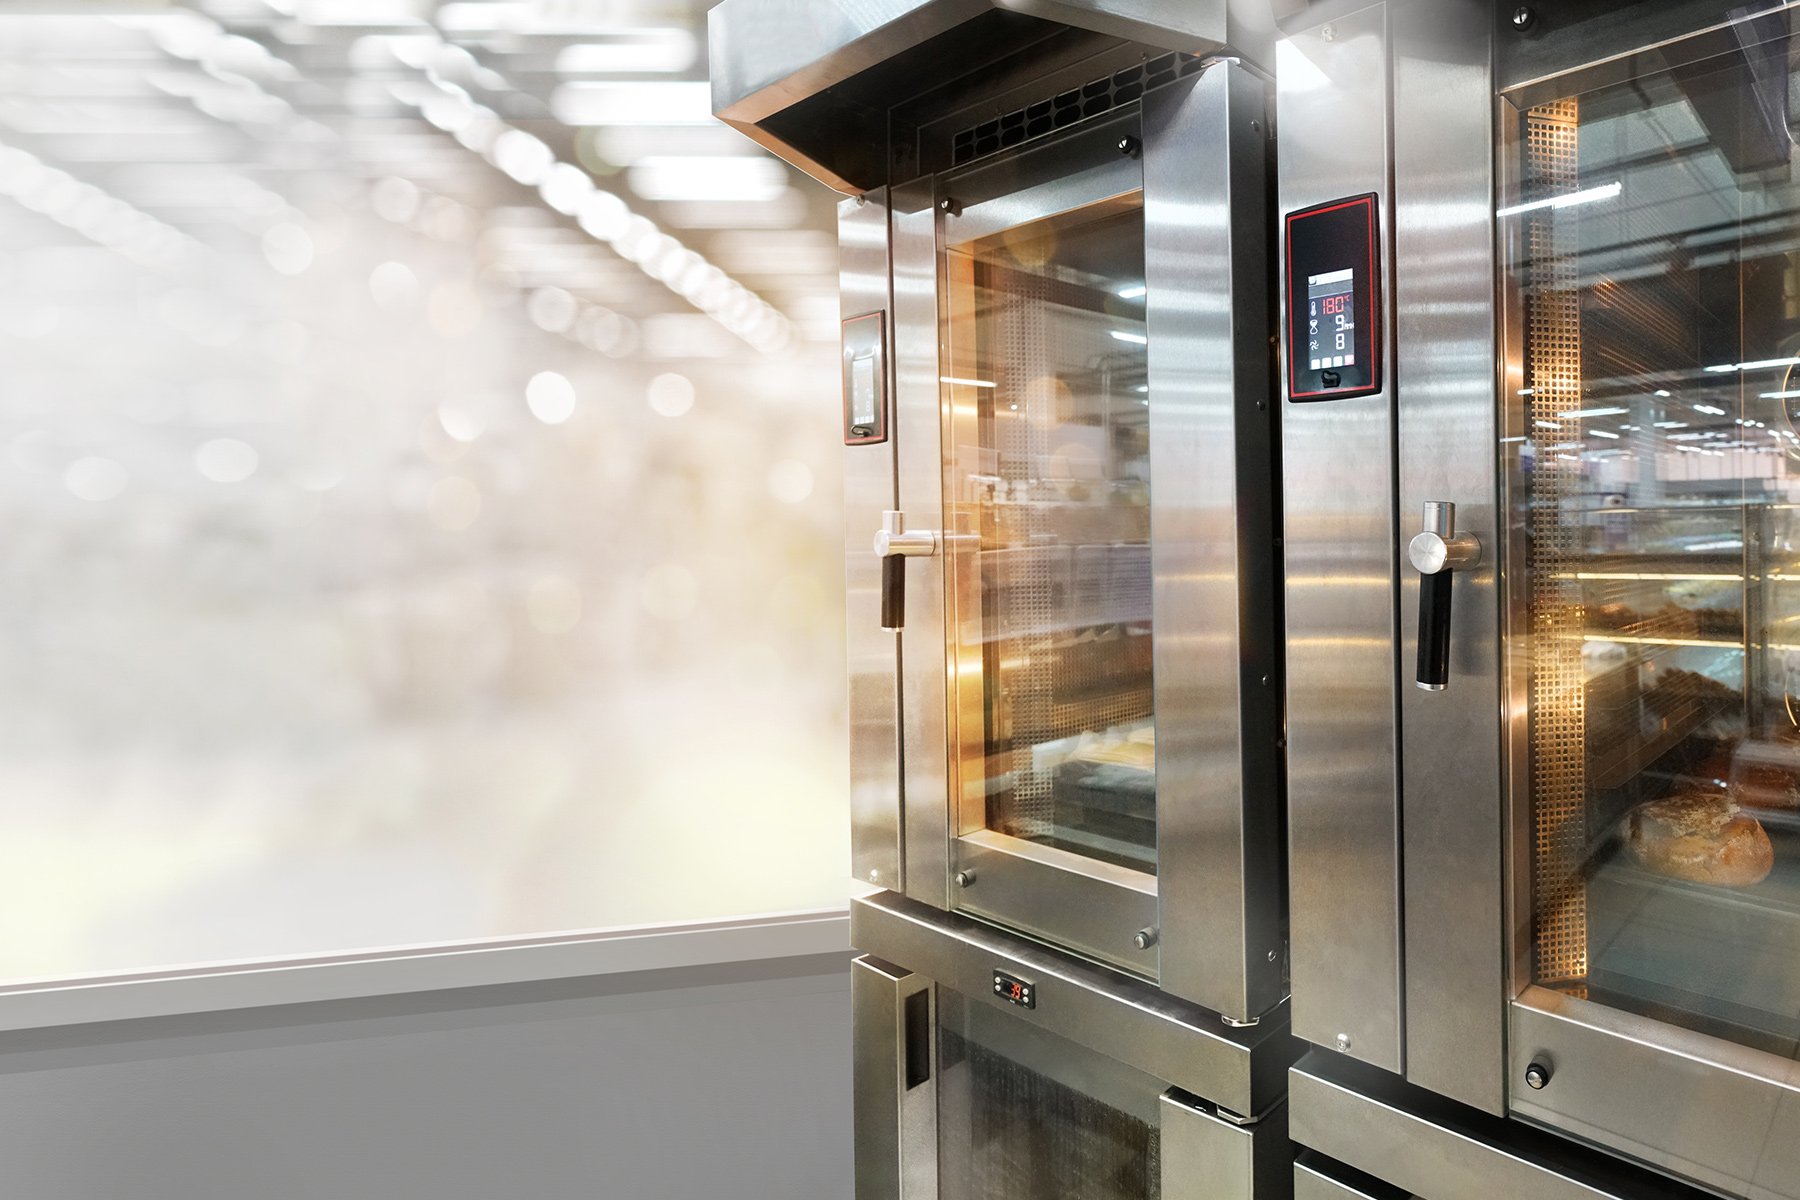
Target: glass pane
{"points": [[1049, 487], [1023, 1114], [1655, 468]]}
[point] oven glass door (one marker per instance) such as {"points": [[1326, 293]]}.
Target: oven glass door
{"points": [[1048, 565], [1023, 1113], [1653, 457]]}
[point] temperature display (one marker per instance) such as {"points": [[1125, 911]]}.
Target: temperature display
{"points": [[1014, 991], [1331, 319]]}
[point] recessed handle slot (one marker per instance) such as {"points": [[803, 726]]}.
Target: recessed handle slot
{"points": [[918, 1038]]}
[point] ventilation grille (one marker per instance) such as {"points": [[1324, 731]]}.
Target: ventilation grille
{"points": [[1065, 108], [1558, 681]]}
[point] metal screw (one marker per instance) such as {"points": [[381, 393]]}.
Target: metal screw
{"points": [[1537, 1075], [1271, 956], [1267, 680], [1130, 147], [874, 876], [1329, 33], [1343, 1042], [1144, 938], [1524, 17], [949, 206], [965, 878]]}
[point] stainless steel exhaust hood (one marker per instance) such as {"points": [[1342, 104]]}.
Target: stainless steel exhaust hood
{"points": [[848, 90]]}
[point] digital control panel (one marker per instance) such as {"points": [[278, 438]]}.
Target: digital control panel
{"points": [[1014, 991], [865, 380], [1334, 334]]}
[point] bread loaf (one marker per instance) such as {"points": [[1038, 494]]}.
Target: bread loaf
{"points": [[1702, 837]]}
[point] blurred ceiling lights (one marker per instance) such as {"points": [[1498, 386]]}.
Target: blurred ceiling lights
{"points": [[179, 127]]}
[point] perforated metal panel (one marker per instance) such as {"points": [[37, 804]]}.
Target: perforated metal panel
{"points": [[1558, 697]]}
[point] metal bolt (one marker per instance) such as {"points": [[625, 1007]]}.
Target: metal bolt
{"points": [[1144, 938], [965, 879], [949, 206], [1130, 147], [1329, 33], [1271, 956], [1524, 17], [1267, 680], [1343, 1042], [874, 876], [1537, 1075]]}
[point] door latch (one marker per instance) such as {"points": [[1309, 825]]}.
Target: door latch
{"points": [[894, 544], [1436, 553]]}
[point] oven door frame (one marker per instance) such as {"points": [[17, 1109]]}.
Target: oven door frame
{"points": [[1214, 912], [1704, 1108]]}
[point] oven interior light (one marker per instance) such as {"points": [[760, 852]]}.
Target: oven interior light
{"points": [[980, 383], [1709, 410], [1605, 191], [1662, 393], [1594, 412], [1134, 292], [1671, 424], [1136, 339], [1758, 365], [1605, 433]]}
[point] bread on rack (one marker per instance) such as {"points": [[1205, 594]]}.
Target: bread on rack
{"points": [[1755, 773], [1702, 837]]}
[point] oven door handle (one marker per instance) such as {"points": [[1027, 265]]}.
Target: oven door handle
{"points": [[895, 544], [1436, 553]]}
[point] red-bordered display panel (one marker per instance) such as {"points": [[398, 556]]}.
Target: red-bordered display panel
{"points": [[1334, 332]]}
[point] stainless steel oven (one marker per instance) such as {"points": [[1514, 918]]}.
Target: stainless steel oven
{"points": [[1544, 742], [988, 1068], [1060, 448]]}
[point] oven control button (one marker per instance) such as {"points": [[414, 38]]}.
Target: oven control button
{"points": [[1537, 1075], [1330, 379]]}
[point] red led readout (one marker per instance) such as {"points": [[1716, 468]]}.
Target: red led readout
{"points": [[1336, 304]]}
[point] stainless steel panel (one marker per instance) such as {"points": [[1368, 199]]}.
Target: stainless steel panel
{"points": [[1207, 1158], [1239, 1069], [896, 1127], [1442, 1156], [918, 444], [1312, 1184], [873, 653], [1089, 906], [1341, 552], [1218, 713], [1723, 1115], [1444, 345]]}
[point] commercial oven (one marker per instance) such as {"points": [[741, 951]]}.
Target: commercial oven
{"points": [[1060, 459], [1060, 462], [1541, 322]]}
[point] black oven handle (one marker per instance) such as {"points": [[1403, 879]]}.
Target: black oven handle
{"points": [[1436, 553]]}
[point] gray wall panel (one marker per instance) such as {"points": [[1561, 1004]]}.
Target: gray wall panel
{"points": [[678, 1084]]}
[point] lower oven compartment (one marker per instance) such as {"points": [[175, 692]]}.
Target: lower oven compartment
{"points": [[995, 1069]]}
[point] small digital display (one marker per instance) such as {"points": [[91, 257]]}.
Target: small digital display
{"points": [[865, 380], [1014, 991], [862, 391], [1331, 319]]}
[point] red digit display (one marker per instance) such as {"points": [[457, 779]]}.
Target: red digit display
{"points": [[1335, 304]]}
